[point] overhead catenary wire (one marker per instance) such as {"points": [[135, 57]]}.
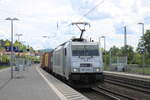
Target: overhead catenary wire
{"points": [[84, 15], [88, 12], [97, 5]]}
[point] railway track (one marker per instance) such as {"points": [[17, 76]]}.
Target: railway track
{"points": [[94, 94], [140, 86], [102, 92], [133, 87], [126, 80], [112, 94]]}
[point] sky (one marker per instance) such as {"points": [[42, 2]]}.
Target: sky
{"points": [[52, 18]]}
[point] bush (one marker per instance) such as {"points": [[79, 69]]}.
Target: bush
{"points": [[4, 59]]}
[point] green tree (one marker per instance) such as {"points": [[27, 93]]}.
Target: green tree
{"points": [[7, 43], [4, 59], [146, 40], [1, 45], [115, 51], [145, 43], [137, 58], [128, 51], [2, 42], [23, 48], [17, 44], [123, 51]]}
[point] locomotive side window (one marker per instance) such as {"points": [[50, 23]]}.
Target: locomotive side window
{"points": [[65, 51]]}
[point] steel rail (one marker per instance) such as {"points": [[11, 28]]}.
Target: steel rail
{"points": [[117, 94], [138, 83], [104, 93], [140, 89]]}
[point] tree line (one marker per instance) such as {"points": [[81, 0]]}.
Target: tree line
{"points": [[18, 47], [133, 56]]}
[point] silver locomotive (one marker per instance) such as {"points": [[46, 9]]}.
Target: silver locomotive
{"points": [[78, 61]]}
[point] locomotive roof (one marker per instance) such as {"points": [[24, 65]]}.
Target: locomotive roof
{"points": [[85, 43], [78, 41], [74, 40]]}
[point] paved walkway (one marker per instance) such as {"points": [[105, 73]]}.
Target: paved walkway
{"points": [[26, 85]]}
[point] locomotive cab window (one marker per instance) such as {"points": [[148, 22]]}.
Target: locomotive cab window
{"points": [[91, 50], [77, 50], [85, 50]]}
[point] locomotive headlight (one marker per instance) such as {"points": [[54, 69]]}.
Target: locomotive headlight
{"points": [[75, 70], [97, 69]]}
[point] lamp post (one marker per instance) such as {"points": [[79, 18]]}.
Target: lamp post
{"points": [[104, 45], [110, 57], [125, 47], [11, 61], [143, 54], [19, 35]]}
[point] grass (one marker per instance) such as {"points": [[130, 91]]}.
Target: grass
{"points": [[106, 68], [146, 70], [2, 67]]}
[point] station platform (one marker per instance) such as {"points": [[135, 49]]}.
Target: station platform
{"points": [[127, 75], [34, 84]]}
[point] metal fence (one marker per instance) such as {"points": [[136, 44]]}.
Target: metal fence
{"points": [[130, 68], [119, 64], [21, 64]]}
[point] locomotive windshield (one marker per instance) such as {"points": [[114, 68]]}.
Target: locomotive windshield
{"points": [[85, 50]]}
